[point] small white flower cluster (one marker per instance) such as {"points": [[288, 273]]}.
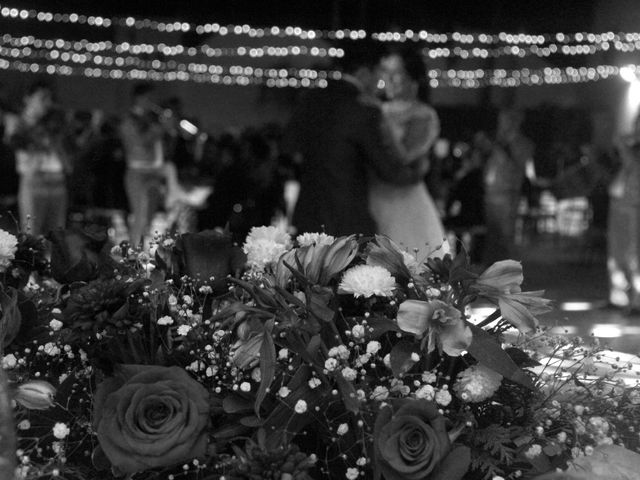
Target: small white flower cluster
{"points": [[597, 428], [367, 281], [477, 383], [533, 451], [61, 430], [265, 245], [8, 248], [309, 239], [337, 356]]}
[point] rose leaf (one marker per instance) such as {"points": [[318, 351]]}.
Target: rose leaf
{"points": [[401, 361], [348, 393]]}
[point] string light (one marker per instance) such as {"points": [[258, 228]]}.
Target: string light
{"points": [[523, 77], [246, 75], [153, 75], [168, 67], [100, 52], [426, 36], [171, 50]]}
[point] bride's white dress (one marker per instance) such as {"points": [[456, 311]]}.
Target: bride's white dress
{"points": [[407, 214]]}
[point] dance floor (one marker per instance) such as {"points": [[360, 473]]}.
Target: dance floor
{"points": [[573, 273]]}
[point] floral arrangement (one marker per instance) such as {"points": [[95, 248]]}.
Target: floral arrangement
{"points": [[292, 359]]}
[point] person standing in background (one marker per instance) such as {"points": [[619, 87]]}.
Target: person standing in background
{"points": [[406, 213], [37, 136], [508, 164], [623, 229], [142, 133]]}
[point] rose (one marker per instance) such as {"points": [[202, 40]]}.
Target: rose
{"points": [[411, 443], [76, 254], [209, 257], [150, 416]]}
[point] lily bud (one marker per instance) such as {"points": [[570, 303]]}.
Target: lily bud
{"points": [[35, 395], [504, 276]]}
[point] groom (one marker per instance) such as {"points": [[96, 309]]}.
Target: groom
{"points": [[339, 134]]}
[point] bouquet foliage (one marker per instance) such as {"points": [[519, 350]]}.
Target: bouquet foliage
{"points": [[293, 359]]}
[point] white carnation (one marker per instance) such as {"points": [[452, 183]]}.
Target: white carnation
{"points": [[265, 245], [367, 281], [8, 248], [309, 239], [477, 383]]}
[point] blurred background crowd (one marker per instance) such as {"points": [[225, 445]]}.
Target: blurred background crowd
{"points": [[243, 177]]}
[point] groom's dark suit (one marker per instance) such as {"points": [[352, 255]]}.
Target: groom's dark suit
{"points": [[341, 142]]}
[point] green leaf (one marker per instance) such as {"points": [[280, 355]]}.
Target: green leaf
{"points": [[295, 301], [401, 361], [283, 423], [318, 303], [380, 325], [235, 403], [267, 365], [486, 350], [10, 316], [251, 421], [348, 393]]}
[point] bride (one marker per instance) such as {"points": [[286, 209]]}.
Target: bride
{"points": [[407, 214]]}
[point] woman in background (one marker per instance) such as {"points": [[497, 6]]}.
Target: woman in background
{"points": [[407, 214], [623, 235], [38, 138]]}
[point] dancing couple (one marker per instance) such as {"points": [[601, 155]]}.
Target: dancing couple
{"points": [[364, 161]]}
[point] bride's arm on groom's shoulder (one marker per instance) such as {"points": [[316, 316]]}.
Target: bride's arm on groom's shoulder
{"points": [[382, 153]]}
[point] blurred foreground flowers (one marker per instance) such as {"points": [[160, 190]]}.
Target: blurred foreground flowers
{"points": [[294, 359]]}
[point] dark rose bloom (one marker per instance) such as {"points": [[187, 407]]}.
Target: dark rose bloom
{"points": [[411, 443], [76, 254], [209, 254], [103, 304], [151, 416]]}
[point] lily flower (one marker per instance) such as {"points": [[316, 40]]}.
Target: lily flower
{"points": [[35, 395], [319, 263], [504, 276], [245, 352], [501, 283], [385, 253], [443, 324]]}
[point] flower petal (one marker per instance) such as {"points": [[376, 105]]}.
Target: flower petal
{"points": [[413, 316], [517, 314], [505, 276]]}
